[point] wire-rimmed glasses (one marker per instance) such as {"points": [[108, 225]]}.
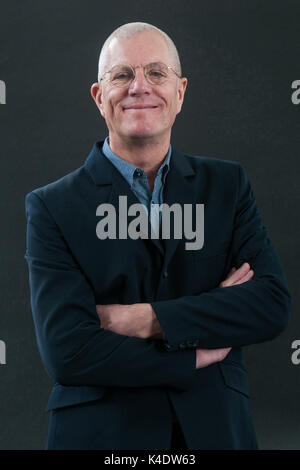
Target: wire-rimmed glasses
{"points": [[156, 73]]}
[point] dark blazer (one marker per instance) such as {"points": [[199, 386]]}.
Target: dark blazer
{"points": [[112, 391]]}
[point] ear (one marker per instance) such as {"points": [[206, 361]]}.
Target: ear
{"points": [[180, 92], [96, 92]]}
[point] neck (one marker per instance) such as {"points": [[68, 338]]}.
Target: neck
{"points": [[147, 154]]}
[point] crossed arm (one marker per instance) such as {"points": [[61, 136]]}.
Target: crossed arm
{"points": [[140, 320], [240, 315], [75, 351]]}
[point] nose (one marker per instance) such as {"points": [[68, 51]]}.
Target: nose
{"points": [[139, 84]]}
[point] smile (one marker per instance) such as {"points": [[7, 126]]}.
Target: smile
{"points": [[140, 107]]}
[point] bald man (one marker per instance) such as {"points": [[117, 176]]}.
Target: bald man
{"points": [[142, 336]]}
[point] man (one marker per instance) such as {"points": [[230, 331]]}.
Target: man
{"points": [[142, 336]]}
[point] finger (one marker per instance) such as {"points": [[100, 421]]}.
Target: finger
{"points": [[237, 275], [224, 353], [231, 272], [246, 278], [240, 272], [206, 357], [227, 278], [211, 351]]}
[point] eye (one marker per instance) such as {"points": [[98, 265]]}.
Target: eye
{"points": [[156, 73], [121, 76]]}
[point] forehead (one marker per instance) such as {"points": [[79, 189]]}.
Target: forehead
{"points": [[142, 48]]}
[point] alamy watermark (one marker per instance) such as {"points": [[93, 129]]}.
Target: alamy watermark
{"points": [[2, 352], [139, 227], [295, 358], [2, 92], [295, 97]]}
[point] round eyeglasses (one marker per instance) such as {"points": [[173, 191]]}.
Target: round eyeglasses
{"points": [[155, 73]]}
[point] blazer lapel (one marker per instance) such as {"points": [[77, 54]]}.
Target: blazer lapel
{"points": [[103, 172], [180, 189]]}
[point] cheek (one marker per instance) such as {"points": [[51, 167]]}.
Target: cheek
{"points": [[172, 106], [172, 102], [111, 107], [111, 112], [116, 110], [177, 105]]}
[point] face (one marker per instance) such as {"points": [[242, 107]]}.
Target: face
{"points": [[140, 109]]}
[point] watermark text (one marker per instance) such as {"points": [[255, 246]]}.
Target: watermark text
{"points": [[295, 97], [295, 358], [182, 218], [2, 92], [2, 352]]}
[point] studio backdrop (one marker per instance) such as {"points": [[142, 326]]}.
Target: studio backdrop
{"points": [[242, 104]]}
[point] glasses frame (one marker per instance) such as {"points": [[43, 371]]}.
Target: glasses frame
{"points": [[134, 74]]}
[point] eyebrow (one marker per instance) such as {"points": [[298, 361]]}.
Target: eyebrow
{"points": [[139, 65]]}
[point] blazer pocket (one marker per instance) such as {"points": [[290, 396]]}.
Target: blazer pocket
{"points": [[235, 377], [65, 395]]}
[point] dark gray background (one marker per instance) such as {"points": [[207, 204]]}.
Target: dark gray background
{"points": [[240, 58]]}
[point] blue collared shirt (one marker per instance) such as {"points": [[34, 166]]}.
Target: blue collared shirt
{"points": [[137, 178]]}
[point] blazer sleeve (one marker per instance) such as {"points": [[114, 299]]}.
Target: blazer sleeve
{"points": [[74, 349], [239, 315]]}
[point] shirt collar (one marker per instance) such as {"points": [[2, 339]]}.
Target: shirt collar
{"points": [[128, 168]]}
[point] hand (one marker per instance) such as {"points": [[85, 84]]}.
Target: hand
{"points": [[131, 320], [238, 276], [205, 357]]}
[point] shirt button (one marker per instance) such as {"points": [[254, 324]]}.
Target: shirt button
{"points": [[138, 172], [165, 274]]}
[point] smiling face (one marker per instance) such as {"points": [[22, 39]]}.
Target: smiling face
{"points": [[139, 110]]}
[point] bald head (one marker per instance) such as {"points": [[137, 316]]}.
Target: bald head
{"points": [[130, 30]]}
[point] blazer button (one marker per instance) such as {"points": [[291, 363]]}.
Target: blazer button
{"points": [[165, 274]]}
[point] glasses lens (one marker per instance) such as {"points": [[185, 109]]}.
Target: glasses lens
{"points": [[121, 75], [157, 73]]}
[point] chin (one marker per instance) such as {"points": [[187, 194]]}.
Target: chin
{"points": [[140, 133]]}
